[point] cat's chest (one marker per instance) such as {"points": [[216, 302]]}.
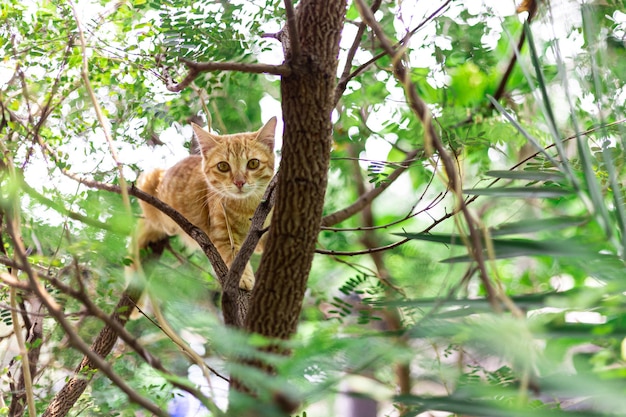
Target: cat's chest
{"points": [[236, 219]]}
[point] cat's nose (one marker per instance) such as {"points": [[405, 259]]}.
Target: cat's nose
{"points": [[239, 183]]}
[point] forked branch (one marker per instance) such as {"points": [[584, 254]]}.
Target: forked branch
{"points": [[365, 199], [235, 300]]}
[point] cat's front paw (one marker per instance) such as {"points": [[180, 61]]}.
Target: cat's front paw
{"points": [[247, 281]]}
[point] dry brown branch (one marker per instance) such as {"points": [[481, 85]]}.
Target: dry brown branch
{"points": [[346, 76], [292, 29], [95, 361], [418, 106], [13, 282], [123, 334]]}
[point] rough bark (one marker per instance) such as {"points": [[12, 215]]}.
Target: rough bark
{"points": [[34, 335], [307, 102], [65, 399]]}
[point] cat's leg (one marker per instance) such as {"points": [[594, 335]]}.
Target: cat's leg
{"points": [[263, 241], [228, 253], [247, 278]]}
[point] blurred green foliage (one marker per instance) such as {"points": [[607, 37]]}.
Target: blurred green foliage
{"points": [[550, 341]]}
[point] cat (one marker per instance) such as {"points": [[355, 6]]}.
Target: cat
{"points": [[218, 191]]}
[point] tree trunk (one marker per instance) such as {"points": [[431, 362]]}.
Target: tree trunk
{"points": [[307, 103]]}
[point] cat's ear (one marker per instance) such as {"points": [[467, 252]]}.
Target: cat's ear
{"points": [[206, 140], [267, 132]]}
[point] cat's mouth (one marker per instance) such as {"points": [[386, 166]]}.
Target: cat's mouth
{"points": [[240, 192]]}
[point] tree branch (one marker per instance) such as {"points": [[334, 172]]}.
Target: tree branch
{"points": [[346, 76], [532, 10], [292, 30], [418, 106], [235, 300], [197, 68], [195, 232], [364, 251], [367, 198]]}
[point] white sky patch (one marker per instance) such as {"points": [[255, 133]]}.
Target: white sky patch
{"points": [[272, 107], [588, 317], [562, 282], [594, 283], [619, 18], [376, 149]]}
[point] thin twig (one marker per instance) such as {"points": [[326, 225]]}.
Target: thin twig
{"points": [[364, 251], [197, 68], [420, 109], [365, 199], [56, 311], [346, 76], [292, 29]]}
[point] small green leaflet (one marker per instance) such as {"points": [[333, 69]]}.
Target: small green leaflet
{"points": [[521, 192], [537, 225]]}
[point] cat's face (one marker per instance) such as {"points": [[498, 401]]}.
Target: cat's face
{"points": [[240, 165]]}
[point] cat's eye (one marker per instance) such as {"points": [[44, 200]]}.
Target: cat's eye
{"points": [[223, 166], [253, 164]]}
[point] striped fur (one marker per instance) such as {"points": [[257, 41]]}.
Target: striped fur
{"points": [[220, 199]]}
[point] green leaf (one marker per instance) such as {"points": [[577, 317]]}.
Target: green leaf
{"points": [[535, 142], [521, 192], [537, 225], [528, 175], [515, 247]]}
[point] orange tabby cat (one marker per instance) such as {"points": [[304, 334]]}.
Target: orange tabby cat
{"points": [[217, 191]]}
